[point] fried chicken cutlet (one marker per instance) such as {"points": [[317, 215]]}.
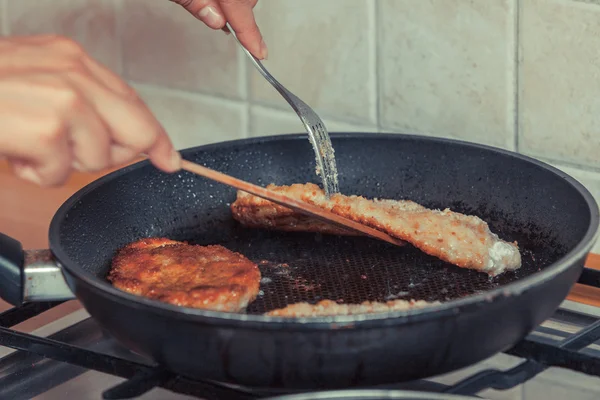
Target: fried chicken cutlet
{"points": [[463, 240], [206, 277], [255, 212], [326, 308]]}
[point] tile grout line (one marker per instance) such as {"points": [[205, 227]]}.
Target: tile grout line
{"points": [[372, 17], [5, 20], [517, 71], [118, 11], [568, 164], [324, 114], [243, 72], [233, 101], [186, 93], [378, 66]]}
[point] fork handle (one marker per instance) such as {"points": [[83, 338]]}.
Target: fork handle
{"points": [[270, 78], [300, 108]]}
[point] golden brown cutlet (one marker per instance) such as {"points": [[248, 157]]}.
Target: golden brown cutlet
{"points": [[329, 307], [463, 240], [206, 277]]}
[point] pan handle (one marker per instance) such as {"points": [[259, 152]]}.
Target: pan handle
{"points": [[30, 276]]}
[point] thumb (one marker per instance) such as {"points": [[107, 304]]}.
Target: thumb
{"points": [[241, 17], [207, 11]]}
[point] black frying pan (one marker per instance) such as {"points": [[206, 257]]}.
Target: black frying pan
{"points": [[554, 219]]}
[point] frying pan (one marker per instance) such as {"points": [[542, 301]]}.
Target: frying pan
{"points": [[553, 218]]}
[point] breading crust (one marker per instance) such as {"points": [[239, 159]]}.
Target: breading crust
{"points": [[463, 240], [206, 277], [262, 214], [326, 308]]}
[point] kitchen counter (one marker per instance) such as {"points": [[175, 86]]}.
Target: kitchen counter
{"points": [[25, 214], [26, 211]]}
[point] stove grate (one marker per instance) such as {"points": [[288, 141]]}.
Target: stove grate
{"points": [[48, 362]]}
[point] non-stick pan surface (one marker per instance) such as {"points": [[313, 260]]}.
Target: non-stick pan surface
{"points": [[553, 218]]}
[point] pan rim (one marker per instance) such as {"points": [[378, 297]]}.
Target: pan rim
{"points": [[445, 309], [371, 394]]}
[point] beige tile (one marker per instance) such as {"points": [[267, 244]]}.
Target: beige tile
{"points": [[392, 130], [268, 121], [192, 119], [90, 22], [560, 80], [323, 52], [560, 384], [447, 68], [591, 180], [163, 44], [589, 1], [348, 126]]}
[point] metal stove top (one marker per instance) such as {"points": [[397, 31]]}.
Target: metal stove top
{"points": [[73, 357]]}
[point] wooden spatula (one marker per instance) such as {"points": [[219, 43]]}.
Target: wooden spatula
{"points": [[288, 202]]}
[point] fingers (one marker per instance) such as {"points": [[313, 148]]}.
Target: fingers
{"points": [[42, 154], [89, 139], [49, 169], [74, 53], [30, 172], [211, 14], [133, 128], [120, 154], [214, 13], [240, 16], [24, 170], [108, 78], [207, 11], [58, 130], [62, 110], [163, 155], [59, 54]]}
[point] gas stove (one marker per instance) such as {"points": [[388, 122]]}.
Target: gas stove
{"points": [[72, 356]]}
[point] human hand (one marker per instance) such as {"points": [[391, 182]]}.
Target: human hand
{"points": [[214, 13], [60, 110]]}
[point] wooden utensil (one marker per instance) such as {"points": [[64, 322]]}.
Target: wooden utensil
{"points": [[288, 202]]}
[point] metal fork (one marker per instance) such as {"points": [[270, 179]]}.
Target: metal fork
{"points": [[317, 133]]}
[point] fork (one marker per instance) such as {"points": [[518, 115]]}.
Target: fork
{"points": [[317, 133]]}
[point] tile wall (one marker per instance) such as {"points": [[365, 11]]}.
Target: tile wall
{"points": [[522, 75], [518, 74]]}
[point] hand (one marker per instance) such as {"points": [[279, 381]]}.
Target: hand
{"points": [[214, 13], [60, 110]]}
